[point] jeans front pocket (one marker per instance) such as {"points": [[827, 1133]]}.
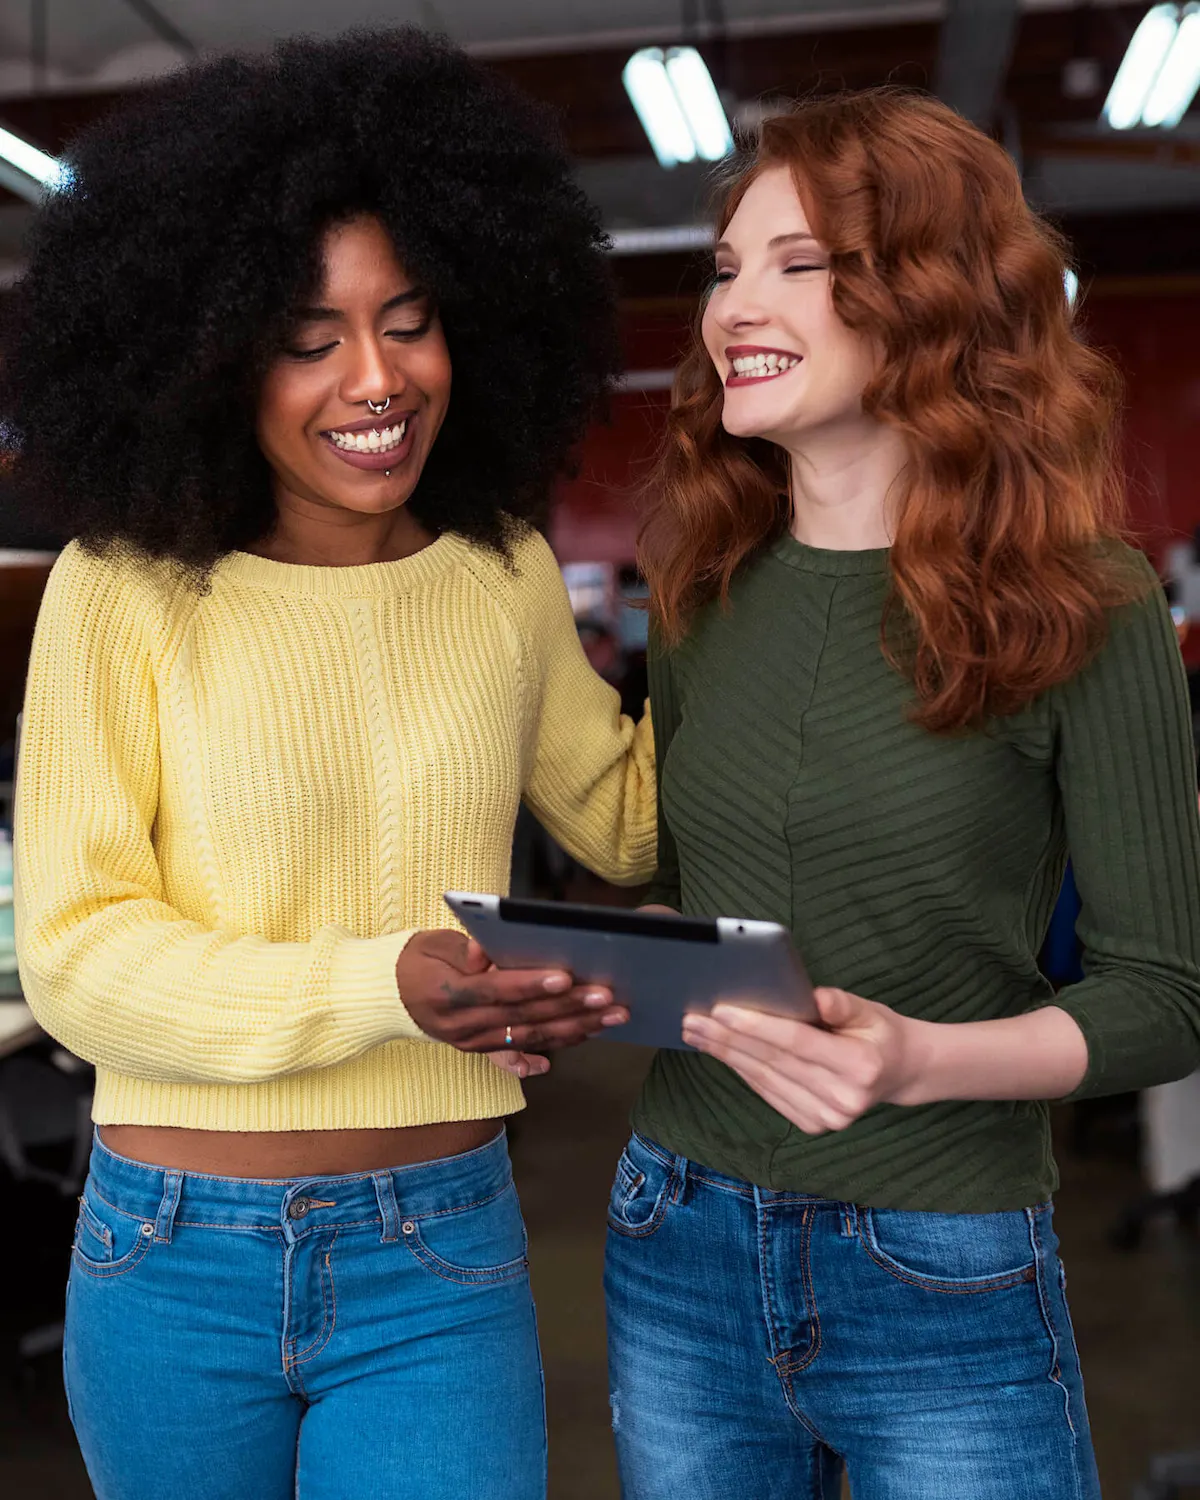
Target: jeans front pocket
{"points": [[481, 1243], [954, 1253], [641, 1190], [108, 1241]]}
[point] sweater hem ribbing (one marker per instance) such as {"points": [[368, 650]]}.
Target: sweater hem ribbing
{"points": [[422, 1096]]}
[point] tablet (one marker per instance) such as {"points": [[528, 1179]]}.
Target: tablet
{"points": [[659, 966]]}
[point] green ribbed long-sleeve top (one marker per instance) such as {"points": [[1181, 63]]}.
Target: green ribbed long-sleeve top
{"points": [[921, 870]]}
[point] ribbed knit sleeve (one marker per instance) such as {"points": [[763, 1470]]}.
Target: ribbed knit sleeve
{"points": [[109, 968], [664, 709], [1127, 774], [591, 779]]}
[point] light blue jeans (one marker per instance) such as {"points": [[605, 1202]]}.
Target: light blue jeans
{"points": [[760, 1341], [336, 1338]]}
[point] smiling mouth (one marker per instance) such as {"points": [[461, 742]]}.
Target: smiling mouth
{"points": [[749, 364], [373, 440]]}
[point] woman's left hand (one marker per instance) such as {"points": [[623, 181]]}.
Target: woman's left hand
{"points": [[821, 1078]]}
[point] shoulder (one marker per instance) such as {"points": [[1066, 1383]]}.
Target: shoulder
{"points": [[1142, 611], [115, 594], [525, 582], [1139, 652]]}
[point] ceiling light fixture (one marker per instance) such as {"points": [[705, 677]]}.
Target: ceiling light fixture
{"points": [[678, 105], [1179, 77], [25, 170], [1160, 72]]}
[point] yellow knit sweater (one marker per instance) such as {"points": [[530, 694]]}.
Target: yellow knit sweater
{"points": [[234, 808]]}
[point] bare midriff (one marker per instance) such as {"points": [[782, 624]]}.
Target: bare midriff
{"points": [[295, 1153]]}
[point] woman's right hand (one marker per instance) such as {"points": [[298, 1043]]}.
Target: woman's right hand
{"points": [[453, 993]]}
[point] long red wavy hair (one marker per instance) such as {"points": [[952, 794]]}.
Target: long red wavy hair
{"points": [[1002, 566]]}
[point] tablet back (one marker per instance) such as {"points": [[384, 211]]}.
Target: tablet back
{"points": [[659, 966]]}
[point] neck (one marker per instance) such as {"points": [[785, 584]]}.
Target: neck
{"points": [[317, 535], [844, 486]]}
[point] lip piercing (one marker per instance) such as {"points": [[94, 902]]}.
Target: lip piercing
{"points": [[379, 407], [508, 1036]]}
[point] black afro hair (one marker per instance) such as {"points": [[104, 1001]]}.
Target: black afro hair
{"points": [[162, 278]]}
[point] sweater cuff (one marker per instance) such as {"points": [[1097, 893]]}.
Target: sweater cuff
{"points": [[1120, 1060], [362, 986]]}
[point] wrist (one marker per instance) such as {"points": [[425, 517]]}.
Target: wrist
{"points": [[920, 1062]]}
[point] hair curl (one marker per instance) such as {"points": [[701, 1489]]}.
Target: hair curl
{"points": [[1002, 564], [161, 281]]}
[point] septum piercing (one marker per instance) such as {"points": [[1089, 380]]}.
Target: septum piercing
{"points": [[377, 408]]}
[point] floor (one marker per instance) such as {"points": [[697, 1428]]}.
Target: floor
{"points": [[1137, 1315]]}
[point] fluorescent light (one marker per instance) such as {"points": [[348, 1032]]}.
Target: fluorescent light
{"points": [[28, 159], [658, 108], [698, 98], [1179, 77], [1140, 67], [661, 240], [677, 104]]}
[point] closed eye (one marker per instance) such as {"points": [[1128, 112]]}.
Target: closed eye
{"points": [[790, 269], [410, 335], [311, 353]]}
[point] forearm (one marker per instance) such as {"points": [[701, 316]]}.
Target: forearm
{"points": [[1042, 1055]]}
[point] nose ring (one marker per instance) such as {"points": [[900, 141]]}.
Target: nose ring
{"points": [[379, 407]]}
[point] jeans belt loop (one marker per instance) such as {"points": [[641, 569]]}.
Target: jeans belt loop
{"points": [[389, 1211], [168, 1207]]}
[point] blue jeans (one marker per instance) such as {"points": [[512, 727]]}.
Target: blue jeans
{"points": [[352, 1337], [760, 1340]]}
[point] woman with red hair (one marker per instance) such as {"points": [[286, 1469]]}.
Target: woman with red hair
{"points": [[904, 663]]}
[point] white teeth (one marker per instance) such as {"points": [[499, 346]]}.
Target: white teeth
{"points": [[762, 366], [370, 442]]}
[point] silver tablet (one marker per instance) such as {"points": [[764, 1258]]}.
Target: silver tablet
{"points": [[659, 966]]}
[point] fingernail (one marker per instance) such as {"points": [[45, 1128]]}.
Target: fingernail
{"points": [[597, 998], [557, 983], [615, 1018]]}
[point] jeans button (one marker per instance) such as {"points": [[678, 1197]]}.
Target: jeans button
{"points": [[298, 1207]]}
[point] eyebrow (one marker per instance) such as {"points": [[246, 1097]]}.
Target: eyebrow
{"points": [[332, 314], [780, 239]]}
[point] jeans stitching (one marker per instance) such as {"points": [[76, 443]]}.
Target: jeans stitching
{"points": [[1055, 1375], [810, 1298], [124, 1212], [99, 1270], [667, 1195], [968, 1288], [466, 1275], [329, 1299], [459, 1208], [342, 1224], [245, 1228]]}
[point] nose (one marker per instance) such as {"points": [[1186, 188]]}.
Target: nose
{"points": [[373, 373], [742, 305]]}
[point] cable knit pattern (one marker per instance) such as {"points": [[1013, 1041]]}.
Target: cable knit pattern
{"points": [[235, 808]]}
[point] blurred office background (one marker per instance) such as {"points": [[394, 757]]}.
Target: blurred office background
{"points": [[1112, 154]]}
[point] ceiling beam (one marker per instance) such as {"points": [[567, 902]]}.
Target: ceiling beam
{"points": [[974, 52]]}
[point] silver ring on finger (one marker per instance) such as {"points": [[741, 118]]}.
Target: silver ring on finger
{"points": [[508, 1041]]}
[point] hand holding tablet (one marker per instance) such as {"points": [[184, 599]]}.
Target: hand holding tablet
{"points": [[659, 967]]}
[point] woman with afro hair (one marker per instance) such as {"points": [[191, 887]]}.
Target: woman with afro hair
{"points": [[290, 682]]}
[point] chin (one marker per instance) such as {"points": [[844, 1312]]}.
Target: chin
{"points": [[747, 428]]}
